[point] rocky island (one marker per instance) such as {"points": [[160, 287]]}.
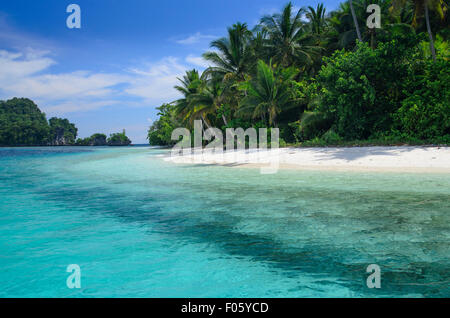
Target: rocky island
{"points": [[22, 123], [119, 139]]}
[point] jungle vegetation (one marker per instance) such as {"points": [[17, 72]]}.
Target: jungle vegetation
{"points": [[23, 124], [325, 78]]}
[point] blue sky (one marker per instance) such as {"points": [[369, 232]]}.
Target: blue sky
{"points": [[113, 72]]}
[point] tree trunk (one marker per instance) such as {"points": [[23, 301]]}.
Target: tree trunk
{"points": [[203, 118], [430, 34], [224, 120], [355, 20]]}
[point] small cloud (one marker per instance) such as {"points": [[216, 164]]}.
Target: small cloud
{"points": [[154, 82], [28, 74], [197, 60], [77, 106], [195, 38], [15, 65]]}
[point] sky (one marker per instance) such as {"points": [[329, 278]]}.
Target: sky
{"points": [[122, 63]]}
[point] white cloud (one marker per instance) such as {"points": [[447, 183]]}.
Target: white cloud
{"points": [[68, 107], [197, 60], [154, 82], [77, 84], [195, 38], [26, 74], [18, 65]]}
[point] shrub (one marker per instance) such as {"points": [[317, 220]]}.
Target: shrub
{"points": [[361, 90], [330, 137], [160, 132], [425, 112]]}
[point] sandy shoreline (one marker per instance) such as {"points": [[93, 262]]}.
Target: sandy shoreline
{"points": [[393, 159]]}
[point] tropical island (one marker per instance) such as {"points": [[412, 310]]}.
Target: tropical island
{"points": [[23, 124], [325, 78], [354, 204]]}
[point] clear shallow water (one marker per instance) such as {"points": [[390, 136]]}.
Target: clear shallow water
{"points": [[142, 227]]}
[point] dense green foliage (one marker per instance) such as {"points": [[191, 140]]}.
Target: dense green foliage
{"points": [[94, 140], [161, 130], [118, 139], [361, 89], [62, 132], [22, 123], [269, 93], [318, 83], [428, 85]]}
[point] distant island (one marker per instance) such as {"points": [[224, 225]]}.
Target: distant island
{"points": [[116, 139], [22, 123]]}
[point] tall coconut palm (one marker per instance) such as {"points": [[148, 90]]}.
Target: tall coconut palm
{"points": [[185, 108], [268, 94], [421, 8], [318, 26], [288, 37], [233, 58], [355, 20], [189, 85], [342, 24], [317, 18], [210, 97], [430, 34]]}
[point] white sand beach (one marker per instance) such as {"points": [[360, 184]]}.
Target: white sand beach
{"points": [[395, 159]]}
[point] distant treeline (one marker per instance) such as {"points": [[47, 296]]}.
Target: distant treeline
{"points": [[23, 124]]}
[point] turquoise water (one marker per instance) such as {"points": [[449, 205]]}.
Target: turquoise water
{"points": [[141, 227]]}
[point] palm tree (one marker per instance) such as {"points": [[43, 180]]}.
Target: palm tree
{"points": [[421, 7], [343, 27], [210, 97], [185, 108], [318, 26], [317, 18], [234, 56], [430, 34], [371, 33], [189, 86], [355, 20], [268, 94], [287, 36], [343, 33]]}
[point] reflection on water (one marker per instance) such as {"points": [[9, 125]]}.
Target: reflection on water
{"points": [[139, 226]]}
